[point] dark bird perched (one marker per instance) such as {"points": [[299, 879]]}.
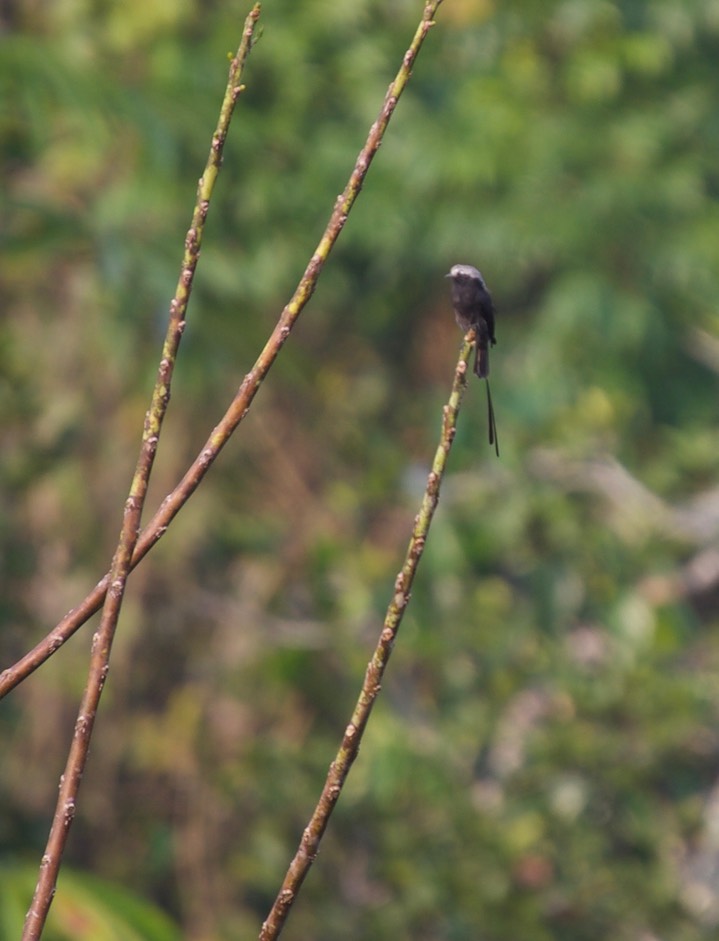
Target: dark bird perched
{"points": [[473, 307]]}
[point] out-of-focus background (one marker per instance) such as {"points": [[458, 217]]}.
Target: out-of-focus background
{"points": [[544, 759]]}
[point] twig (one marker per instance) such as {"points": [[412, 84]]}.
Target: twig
{"points": [[102, 641], [340, 767], [239, 407]]}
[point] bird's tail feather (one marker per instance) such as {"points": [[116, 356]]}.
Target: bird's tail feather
{"points": [[481, 362], [493, 438]]}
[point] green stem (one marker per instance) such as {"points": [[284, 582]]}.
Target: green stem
{"points": [[340, 767], [122, 560]]}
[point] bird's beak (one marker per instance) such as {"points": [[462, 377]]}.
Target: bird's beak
{"points": [[448, 275]]}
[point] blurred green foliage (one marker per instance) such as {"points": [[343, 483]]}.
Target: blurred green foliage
{"points": [[543, 761], [86, 909]]}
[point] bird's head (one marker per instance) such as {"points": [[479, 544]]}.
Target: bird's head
{"points": [[465, 273]]}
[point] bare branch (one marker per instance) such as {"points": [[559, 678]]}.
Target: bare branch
{"points": [[348, 750], [239, 407], [121, 563]]}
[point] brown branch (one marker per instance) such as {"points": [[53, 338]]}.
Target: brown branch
{"points": [[340, 767], [239, 407], [121, 563]]}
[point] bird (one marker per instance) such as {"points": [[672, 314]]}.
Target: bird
{"points": [[473, 308]]}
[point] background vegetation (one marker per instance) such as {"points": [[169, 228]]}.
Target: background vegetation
{"points": [[543, 761]]}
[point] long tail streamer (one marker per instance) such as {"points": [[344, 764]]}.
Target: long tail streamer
{"points": [[493, 438]]}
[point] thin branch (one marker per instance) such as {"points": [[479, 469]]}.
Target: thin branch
{"points": [[239, 407], [340, 767], [632, 507], [102, 641]]}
